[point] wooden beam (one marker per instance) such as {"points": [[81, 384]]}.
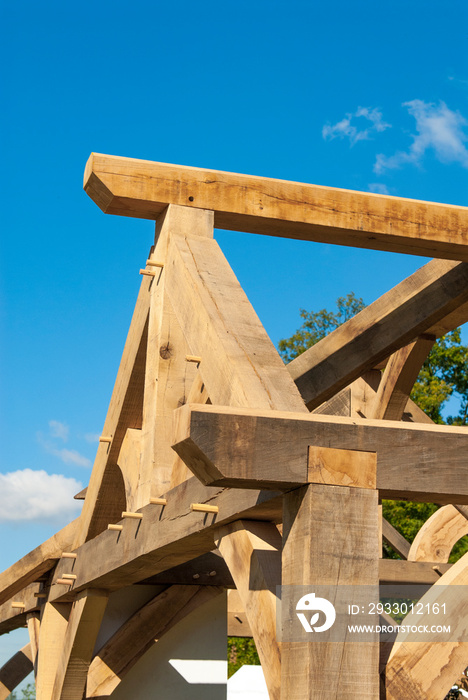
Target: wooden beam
{"points": [[142, 189], [417, 572], [248, 448], [399, 543], [54, 623], [11, 617], [78, 644], [438, 535], [34, 628], [398, 379], [427, 669], [238, 624], [341, 549], [168, 376], [252, 552], [206, 570], [240, 365], [15, 670], [36, 563], [118, 655], [105, 497], [163, 538], [407, 311]]}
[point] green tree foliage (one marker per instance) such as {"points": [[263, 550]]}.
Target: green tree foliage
{"points": [[28, 693], [241, 651], [318, 324]]}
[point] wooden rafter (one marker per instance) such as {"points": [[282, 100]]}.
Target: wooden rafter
{"points": [[143, 189]]}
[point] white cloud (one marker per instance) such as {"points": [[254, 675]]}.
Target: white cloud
{"points": [[59, 430], [346, 129], [68, 456], [439, 129], [30, 494], [92, 437], [379, 188]]}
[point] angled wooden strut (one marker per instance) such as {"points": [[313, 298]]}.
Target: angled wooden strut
{"points": [[420, 669], [138, 634], [438, 535], [427, 302], [252, 552], [78, 644], [142, 189], [15, 670]]}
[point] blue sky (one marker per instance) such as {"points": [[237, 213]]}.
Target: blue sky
{"points": [[366, 96]]}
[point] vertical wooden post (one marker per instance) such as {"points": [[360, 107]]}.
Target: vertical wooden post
{"points": [[166, 367], [330, 537], [54, 623]]}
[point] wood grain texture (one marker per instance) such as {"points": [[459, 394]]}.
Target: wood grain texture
{"points": [[438, 535], [238, 623], [428, 669], [54, 622], [78, 644], [34, 627], [399, 543], [105, 497], [328, 465], [36, 563], [340, 548], [397, 318], [15, 670], [163, 538], [168, 376], [401, 571], [142, 189], [198, 393], [121, 652], [252, 552], [251, 448], [240, 365], [398, 379]]}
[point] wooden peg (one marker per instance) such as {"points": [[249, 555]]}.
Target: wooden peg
{"points": [[203, 508], [212, 573], [148, 273], [105, 438], [154, 263], [64, 582], [195, 576], [135, 516], [158, 501], [18, 606], [69, 555], [72, 577], [111, 526], [437, 570], [40, 595], [193, 358]]}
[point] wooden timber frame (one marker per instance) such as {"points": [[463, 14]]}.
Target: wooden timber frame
{"points": [[220, 467]]}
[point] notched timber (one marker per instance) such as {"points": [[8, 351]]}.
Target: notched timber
{"points": [[248, 448], [142, 189]]}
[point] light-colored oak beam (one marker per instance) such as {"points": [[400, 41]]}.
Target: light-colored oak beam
{"points": [[438, 535], [250, 448], [15, 670], [427, 669], [142, 189], [78, 644], [163, 538], [330, 538], [36, 563], [414, 307], [240, 365], [252, 551], [399, 543]]}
